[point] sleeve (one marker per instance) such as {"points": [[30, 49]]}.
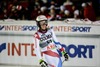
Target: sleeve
{"points": [[57, 43], [37, 48]]}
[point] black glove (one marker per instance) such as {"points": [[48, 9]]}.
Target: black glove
{"points": [[43, 63], [65, 55]]}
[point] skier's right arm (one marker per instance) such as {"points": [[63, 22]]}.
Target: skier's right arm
{"points": [[38, 52], [37, 49]]}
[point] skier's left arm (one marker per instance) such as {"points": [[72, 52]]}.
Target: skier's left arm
{"points": [[59, 46]]}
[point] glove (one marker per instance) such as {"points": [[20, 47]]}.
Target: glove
{"points": [[65, 55], [43, 63]]}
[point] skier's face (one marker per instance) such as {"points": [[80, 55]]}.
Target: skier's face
{"points": [[43, 25]]}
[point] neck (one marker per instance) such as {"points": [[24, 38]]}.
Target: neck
{"points": [[43, 31]]}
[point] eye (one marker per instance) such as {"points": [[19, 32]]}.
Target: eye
{"points": [[43, 23]]}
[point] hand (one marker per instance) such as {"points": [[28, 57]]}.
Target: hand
{"points": [[43, 63], [65, 55]]}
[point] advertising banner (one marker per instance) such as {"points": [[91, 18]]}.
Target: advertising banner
{"points": [[82, 43], [59, 27], [20, 50]]}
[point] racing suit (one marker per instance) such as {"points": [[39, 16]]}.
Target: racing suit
{"points": [[46, 47]]}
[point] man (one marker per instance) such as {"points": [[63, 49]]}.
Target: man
{"points": [[47, 45]]}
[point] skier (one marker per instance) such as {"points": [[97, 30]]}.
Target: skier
{"points": [[47, 46]]}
